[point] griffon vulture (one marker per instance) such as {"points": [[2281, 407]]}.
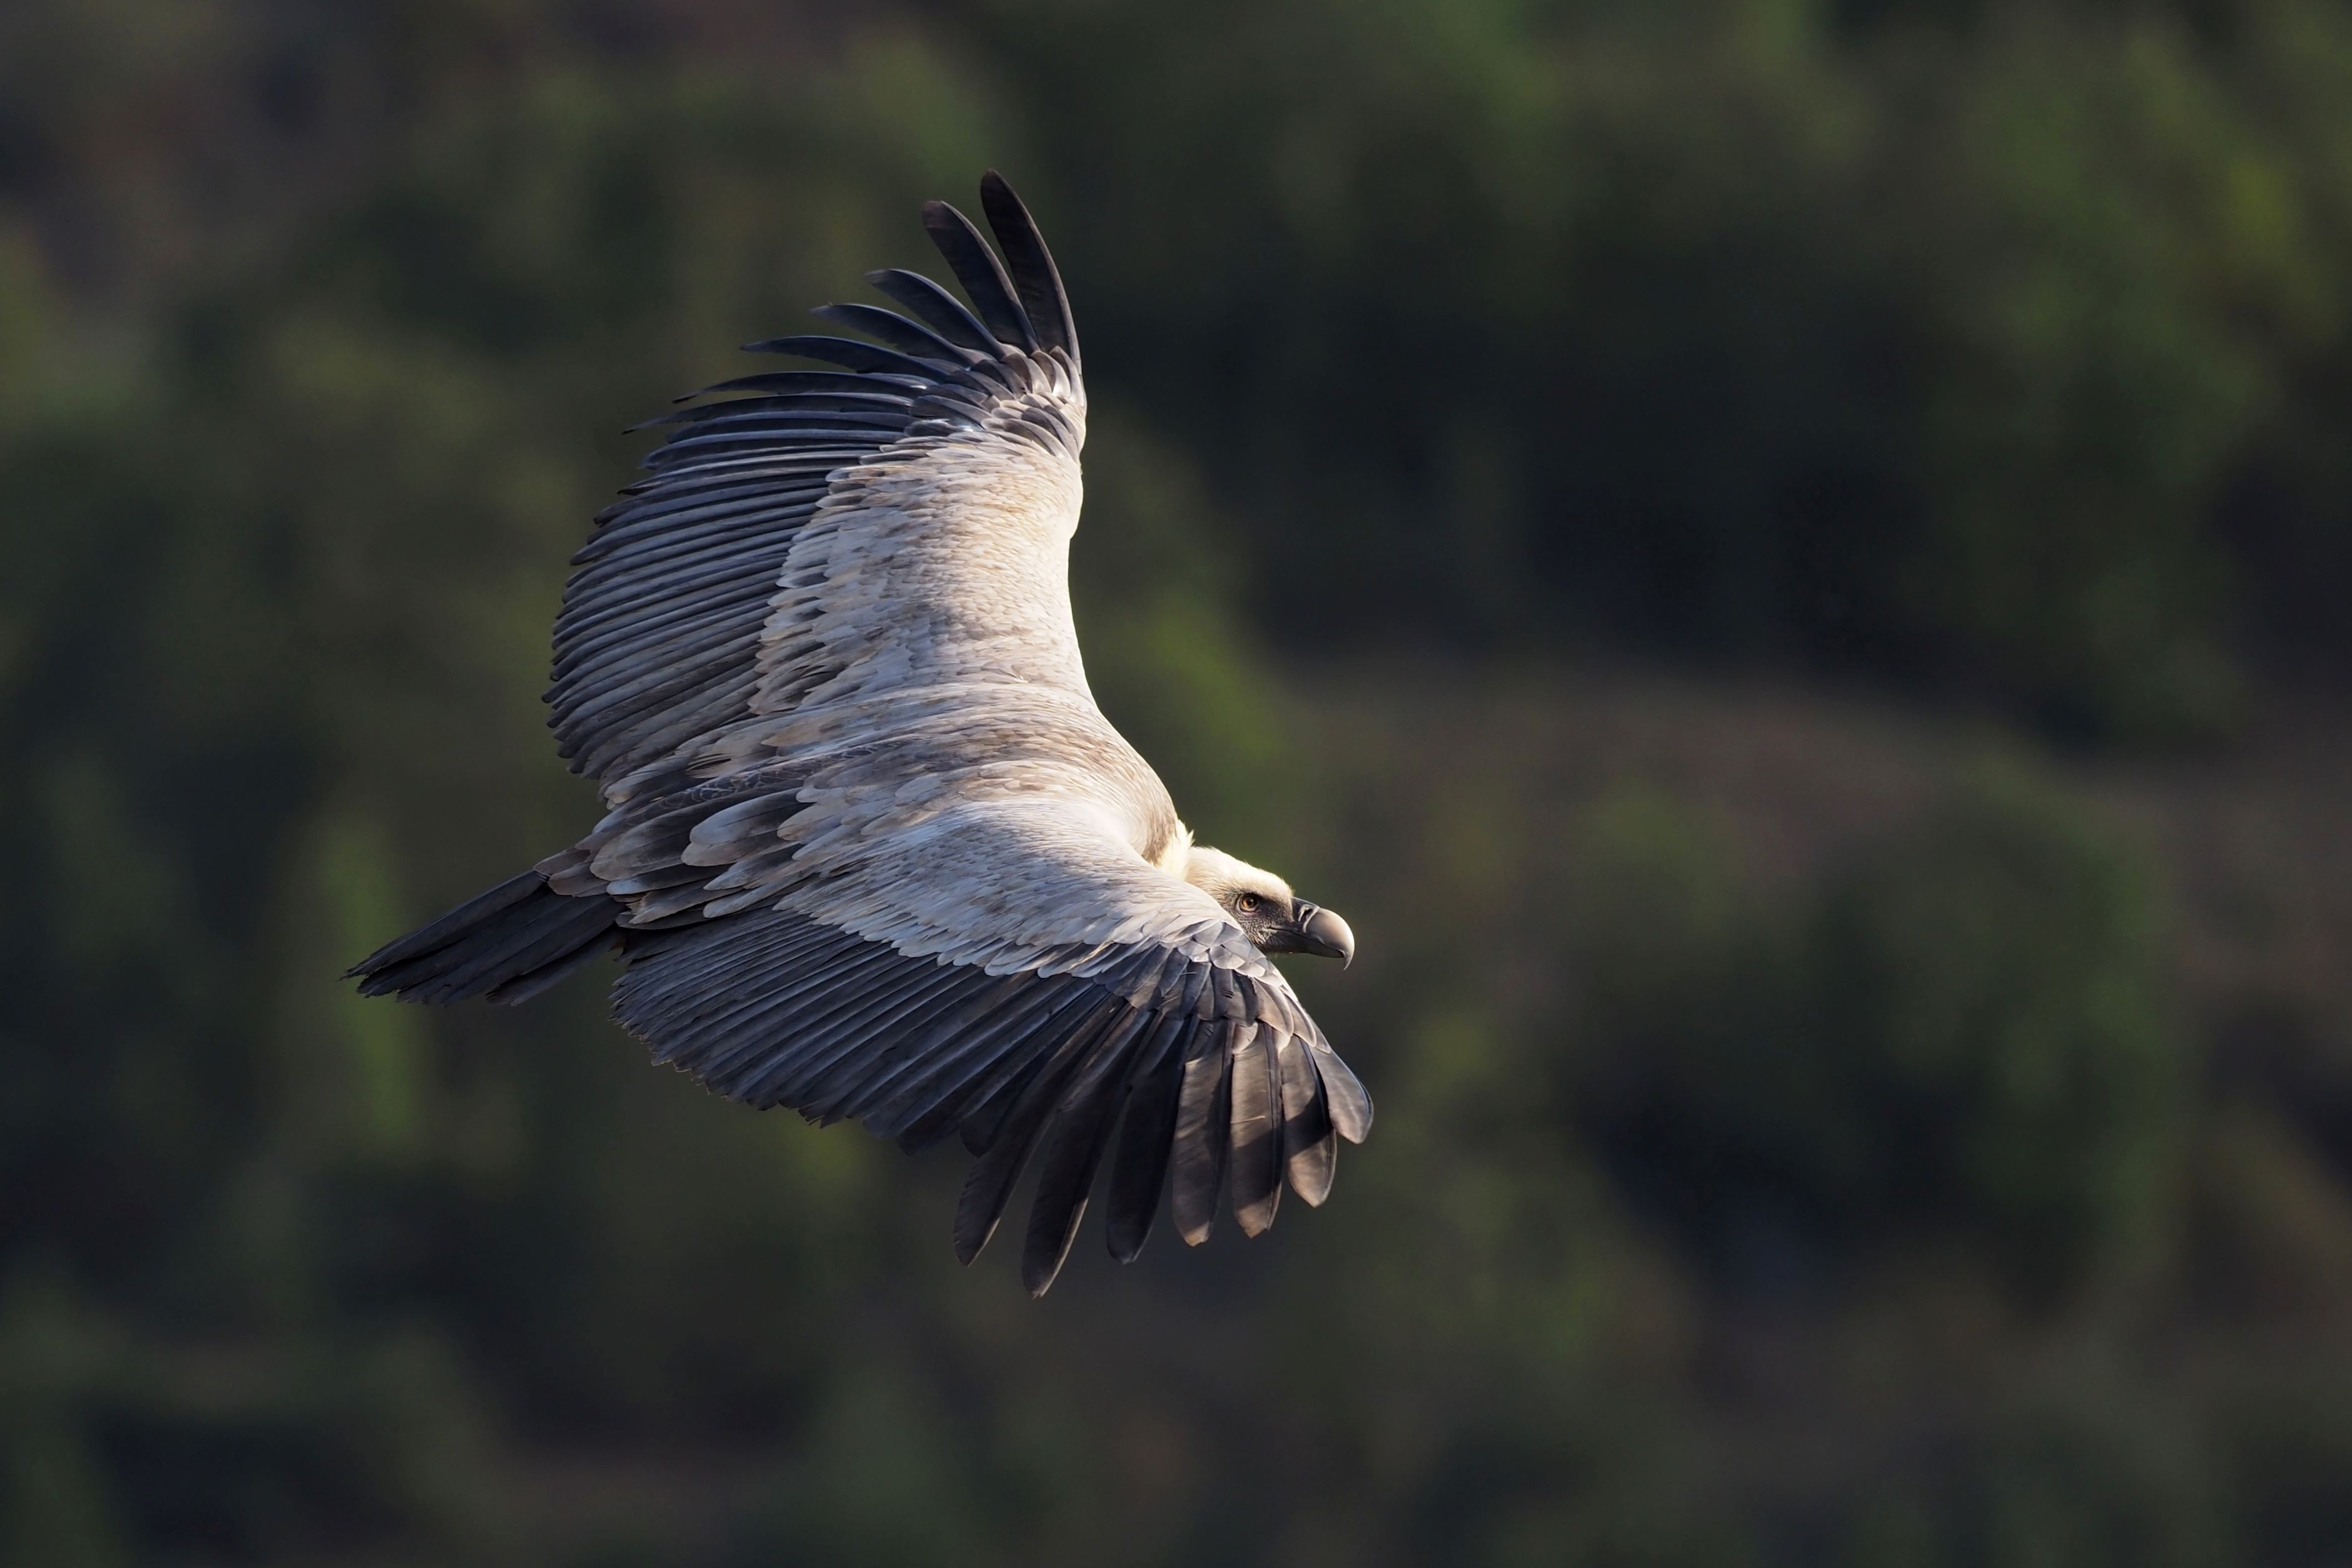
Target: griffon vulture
{"points": [[871, 849]]}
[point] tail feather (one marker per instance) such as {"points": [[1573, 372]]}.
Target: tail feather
{"points": [[435, 934], [509, 943]]}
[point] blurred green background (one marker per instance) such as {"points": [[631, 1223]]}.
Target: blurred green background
{"points": [[1786, 563]]}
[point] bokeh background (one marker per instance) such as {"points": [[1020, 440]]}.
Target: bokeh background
{"points": [[1784, 561]]}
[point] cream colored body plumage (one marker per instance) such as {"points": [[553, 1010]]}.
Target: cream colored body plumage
{"points": [[871, 851]]}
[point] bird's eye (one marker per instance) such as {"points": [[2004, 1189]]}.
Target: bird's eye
{"points": [[1249, 902]]}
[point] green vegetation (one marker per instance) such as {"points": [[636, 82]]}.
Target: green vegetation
{"points": [[1973, 1032], [1875, 1093]]}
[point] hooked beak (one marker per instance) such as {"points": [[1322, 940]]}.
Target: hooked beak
{"points": [[1319, 931]]}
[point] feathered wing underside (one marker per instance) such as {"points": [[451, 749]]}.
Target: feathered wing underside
{"points": [[1036, 1069], [871, 851], [826, 535], [993, 959]]}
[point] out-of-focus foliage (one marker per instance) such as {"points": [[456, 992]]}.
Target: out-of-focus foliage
{"points": [[1811, 1133], [1973, 1030], [1989, 349]]}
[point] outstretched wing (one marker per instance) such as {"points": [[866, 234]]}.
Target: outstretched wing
{"points": [[950, 926], [1010, 969], [897, 522]]}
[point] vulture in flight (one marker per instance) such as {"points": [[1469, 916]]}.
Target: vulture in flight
{"points": [[871, 849]]}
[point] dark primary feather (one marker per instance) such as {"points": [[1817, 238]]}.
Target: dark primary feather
{"points": [[936, 305], [1139, 1173], [982, 275], [1203, 1131], [1082, 1126], [851, 354], [1255, 1161], [1043, 298], [987, 1101], [861, 402], [1351, 1106], [907, 337], [816, 435], [955, 1069], [990, 1183], [799, 381], [1310, 1145], [771, 1007]]}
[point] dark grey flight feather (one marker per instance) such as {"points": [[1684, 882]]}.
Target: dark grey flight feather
{"points": [[1311, 1144], [759, 434], [738, 700], [812, 381], [906, 1013], [1203, 1133], [971, 1018], [982, 275], [674, 630], [1043, 298], [659, 539], [990, 1184], [1255, 1163], [766, 405], [963, 1060], [653, 525], [1139, 1173], [907, 337], [1082, 1126], [936, 305], [1021, 1059], [848, 353], [1351, 1106]]}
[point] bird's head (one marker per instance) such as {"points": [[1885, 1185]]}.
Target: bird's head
{"points": [[1262, 904]]}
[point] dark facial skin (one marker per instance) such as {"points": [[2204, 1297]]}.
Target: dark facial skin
{"points": [[1292, 925]]}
